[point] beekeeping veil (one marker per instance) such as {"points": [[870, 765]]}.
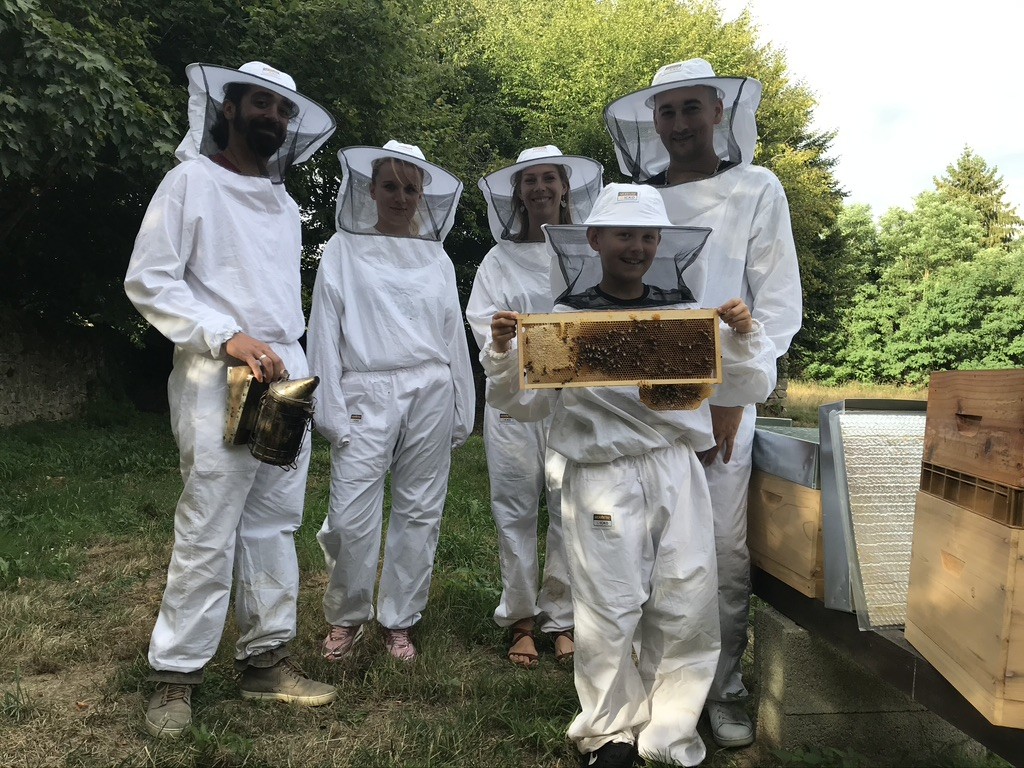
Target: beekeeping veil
{"points": [[309, 127], [505, 211], [356, 210], [630, 120], [626, 205]]}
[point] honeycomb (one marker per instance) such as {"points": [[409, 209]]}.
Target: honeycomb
{"points": [[675, 397], [621, 348]]}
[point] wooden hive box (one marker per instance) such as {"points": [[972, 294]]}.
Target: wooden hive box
{"points": [[965, 605], [976, 424], [784, 533]]}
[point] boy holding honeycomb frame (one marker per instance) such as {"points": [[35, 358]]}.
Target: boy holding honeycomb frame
{"points": [[636, 511]]}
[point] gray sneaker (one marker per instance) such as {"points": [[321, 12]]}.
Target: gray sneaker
{"points": [[730, 724], [285, 681], [170, 710]]}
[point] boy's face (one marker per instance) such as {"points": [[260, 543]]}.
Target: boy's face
{"points": [[626, 252]]}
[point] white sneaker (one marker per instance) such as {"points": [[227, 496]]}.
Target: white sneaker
{"points": [[730, 724]]}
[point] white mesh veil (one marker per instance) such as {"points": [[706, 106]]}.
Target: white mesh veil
{"points": [[580, 267], [307, 130], [630, 119], [585, 182], [625, 205], [356, 210]]}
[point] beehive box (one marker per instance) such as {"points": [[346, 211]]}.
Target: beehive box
{"points": [[965, 605], [784, 533], [619, 348], [976, 424]]}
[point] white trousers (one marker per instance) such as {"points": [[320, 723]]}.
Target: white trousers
{"points": [[520, 468], [401, 422], [728, 484], [234, 514], [641, 553]]}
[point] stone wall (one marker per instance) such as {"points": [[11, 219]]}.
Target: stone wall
{"points": [[45, 378], [775, 405]]}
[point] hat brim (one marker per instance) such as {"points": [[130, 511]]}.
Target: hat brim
{"points": [[361, 159], [568, 229], [642, 101], [213, 78], [582, 171]]}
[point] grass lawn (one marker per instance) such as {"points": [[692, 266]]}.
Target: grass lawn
{"points": [[86, 512]]}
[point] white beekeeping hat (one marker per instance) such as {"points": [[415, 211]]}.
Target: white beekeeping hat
{"points": [[356, 210], [310, 126], [585, 180], [630, 119]]}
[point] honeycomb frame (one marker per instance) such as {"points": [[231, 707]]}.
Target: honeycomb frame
{"points": [[554, 351]]}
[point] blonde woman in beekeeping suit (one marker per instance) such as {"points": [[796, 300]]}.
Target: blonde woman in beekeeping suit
{"points": [[387, 339], [542, 187]]}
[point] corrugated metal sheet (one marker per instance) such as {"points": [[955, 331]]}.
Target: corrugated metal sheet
{"points": [[881, 456]]}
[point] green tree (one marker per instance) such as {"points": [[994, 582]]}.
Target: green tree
{"points": [[971, 180], [938, 232], [84, 111], [859, 234], [918, 316], [969, 315]]}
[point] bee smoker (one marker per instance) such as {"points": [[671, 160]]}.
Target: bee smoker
{"points": [[271, 419]]}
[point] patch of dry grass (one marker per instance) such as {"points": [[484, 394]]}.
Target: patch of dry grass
{"points": [[804, 397]]}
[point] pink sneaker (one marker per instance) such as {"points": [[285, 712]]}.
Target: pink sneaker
{"points": [[399, 644], [340, 641]]}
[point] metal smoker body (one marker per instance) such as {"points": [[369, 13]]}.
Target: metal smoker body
{"points": [[272, 419]]}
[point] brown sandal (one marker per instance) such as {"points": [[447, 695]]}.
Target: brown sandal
{"points": [[566, 657], [518, 633]]}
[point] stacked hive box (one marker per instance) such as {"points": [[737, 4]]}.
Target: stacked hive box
{"points": [[784, 532], [965, 606]]}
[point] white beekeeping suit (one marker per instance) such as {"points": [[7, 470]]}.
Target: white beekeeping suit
{"points": [[750, 254], [218, 254], [387, 339], [636, 512], [516, 275]]}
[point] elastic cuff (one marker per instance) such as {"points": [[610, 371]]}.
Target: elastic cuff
{"points": [[493, 355], [219, 339], [183, 678], [264, 660], [757, 327]]}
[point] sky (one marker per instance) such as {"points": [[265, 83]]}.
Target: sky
{"points": [[906, 84]]}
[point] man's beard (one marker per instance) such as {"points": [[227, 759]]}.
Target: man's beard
{"points": [[261, 142]]}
